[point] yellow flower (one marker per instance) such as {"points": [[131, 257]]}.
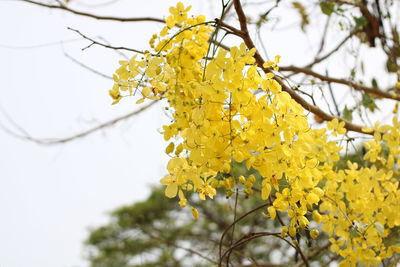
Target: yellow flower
{"points": [[172, 185], [272, 212], [195, 212], [205, 189], [170, 148], [314, 233], [336, 126], [179, 12]]}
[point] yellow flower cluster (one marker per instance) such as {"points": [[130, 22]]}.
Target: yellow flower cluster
{"points": [[226, 110]]}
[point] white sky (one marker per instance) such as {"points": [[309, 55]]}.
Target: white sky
{"points": [[51, 195]]}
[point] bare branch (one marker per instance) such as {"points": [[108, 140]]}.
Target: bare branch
{"points": [[323, 38], [94, 42], [229, 28], [319, 59], [315, 253], [85, 14], [191, 251], [23, 47], [260, 265], [356, 86], [87, 67], [235, 222], [247, 238], [56, 141]]}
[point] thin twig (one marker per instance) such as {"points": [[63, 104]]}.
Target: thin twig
{"points": [[90, 15], [94, 42], [314, 254], [192, 251], [322, 43], [87, 67], [335, 49], [57, 141], [356, 86], [23, 47], [333, 96], [247, 238], [236, 221], [233, 227]]}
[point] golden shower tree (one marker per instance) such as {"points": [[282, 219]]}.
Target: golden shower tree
{"points": [[230, 106]]}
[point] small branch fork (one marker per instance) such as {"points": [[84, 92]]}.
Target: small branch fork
{"points": [[250, 236], [94, 42], [356, 86], [191, 251]]}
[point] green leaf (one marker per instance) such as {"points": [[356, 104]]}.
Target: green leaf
{"points": [[374, 83], [360, 22], [391, 66], [347, 114], [368, 102], [327, 7]]}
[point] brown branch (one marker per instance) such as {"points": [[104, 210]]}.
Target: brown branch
{"points": [[56, 141], [94, 42], [90, 15], [319, 112], [356, 86], [319, 59], [178, 246], [247, 238], [344, 2], [259, 265], [260, 61], [235, 222], [229, 28], [323, 38], [314, 253]]}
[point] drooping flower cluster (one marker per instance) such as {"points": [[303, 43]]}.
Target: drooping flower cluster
{"points": [[225, 109]]}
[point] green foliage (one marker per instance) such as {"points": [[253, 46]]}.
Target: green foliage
{"points": [[327, 7], [347, 113], [303, 14], [360, 22], [153, 233], [368, 102]]}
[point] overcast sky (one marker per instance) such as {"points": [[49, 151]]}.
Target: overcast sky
{"points": [[51, 195]]}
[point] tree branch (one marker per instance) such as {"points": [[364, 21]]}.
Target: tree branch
{"points": [[85, 14], [87, 67], [247, 238], [319, 59], [314, 253], [235, 222], [191, 251], [356, 86], [56, 141], [94, 42]]}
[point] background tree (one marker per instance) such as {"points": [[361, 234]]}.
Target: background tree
{"points": [[156, 232]]}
